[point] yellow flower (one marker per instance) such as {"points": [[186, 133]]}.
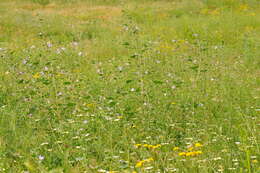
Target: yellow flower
{"points": [[156, 146], [198, 145], [140, 163], [173, 103], [145, 145], [36, 76], [192, 153], [149, 159], [148, 146], [190, 148], [176, 148], [90, 105], [182, 154], [254, 161]]}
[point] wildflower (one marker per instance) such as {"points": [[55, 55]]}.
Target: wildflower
{"points": [[120, 68], [182, 154], [148, 146], [190, 148], [156, 146], [40, 157], [36, 76], [46, 68], [237, 143], [173, 103], [192, 153], [176, 148], [58, 51], [140, 163], [173, 87], [198, 145], [217, 158], [75, 43], [90, 105], [49, 45], [132, 89], [254, 161], [145, 145]]}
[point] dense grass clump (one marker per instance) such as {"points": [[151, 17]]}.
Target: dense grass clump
{"points": [[129, 86]]}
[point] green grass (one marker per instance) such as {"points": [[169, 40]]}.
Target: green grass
{"points": [[83, 82]]}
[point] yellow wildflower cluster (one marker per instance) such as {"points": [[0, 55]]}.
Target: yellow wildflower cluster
{"points": [[140, 163], [191, 153], [175, 148], [36, 76], [89, 105], [148, 146], [198, 145]]}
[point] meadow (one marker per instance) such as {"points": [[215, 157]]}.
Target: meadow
{"points": [[129, 86]]}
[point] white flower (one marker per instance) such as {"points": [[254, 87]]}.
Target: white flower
{"points": [[40, 157], [49, 45], [46, 68], [58, 51], [195, 35], [75, 43], [120, 68]]}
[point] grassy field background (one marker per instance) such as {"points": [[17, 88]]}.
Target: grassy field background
{"points": [[129, 86]]}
